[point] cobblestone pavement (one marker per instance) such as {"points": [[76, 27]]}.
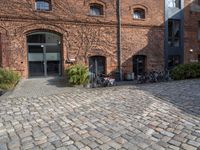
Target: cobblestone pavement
{"points": [[36, 87], [155, 116]]}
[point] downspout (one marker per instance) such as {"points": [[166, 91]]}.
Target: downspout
{"points": [[119, 32]]}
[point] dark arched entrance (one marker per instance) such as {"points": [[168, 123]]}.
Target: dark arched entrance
{"points": [[44, 54], [139, 64], [97, 64]]}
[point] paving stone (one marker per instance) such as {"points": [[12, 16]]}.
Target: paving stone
{"points": [[174, 147], [158, 136], [14, 144], [120, 140], [3, 147], [61, 148], [79, 145], [114, 145], [188, 147], [175, 143], [157, 147], [105, 147], [85, 148], [131, 146], [27, 146], [194, 143], [68, 142], [153, 116], [93, 145], [4, 139], [170, 134], [105, 139], [57, 144], [72, 147]]}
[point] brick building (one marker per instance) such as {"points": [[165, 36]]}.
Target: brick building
{"points": [[43, 37]]}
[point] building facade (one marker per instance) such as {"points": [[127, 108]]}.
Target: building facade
{"points": [[44, 37], [182, 31]]}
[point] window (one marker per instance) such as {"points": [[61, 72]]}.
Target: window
{"points": [[44, 5], [96, 10], [97, 65], [139, 64], [199, 58], [198, 2], [139, 13], [199, 30], [174, 3], [174, 33], [36, 38], [173, 60]]}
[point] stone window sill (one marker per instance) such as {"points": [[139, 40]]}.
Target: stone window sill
{"points": [[139, 19], [100, 16]]}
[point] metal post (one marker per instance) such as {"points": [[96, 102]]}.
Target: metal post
{"points": [[45, 61], [119, 49]]}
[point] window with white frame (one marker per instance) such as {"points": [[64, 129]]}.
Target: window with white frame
{"points": [[174, 3], [96, 10], [139, 13], [44, 5]]}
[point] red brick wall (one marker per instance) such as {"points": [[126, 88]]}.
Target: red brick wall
{"points": [[0, 51], [138, 37], [143, 37], [192, 17]]}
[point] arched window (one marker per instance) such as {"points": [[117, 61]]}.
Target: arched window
{"points": [[139, 64], [43, 5], [96, 9], [139, 13], [97, 65]]}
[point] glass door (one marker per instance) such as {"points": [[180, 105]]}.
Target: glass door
{"points": [[97, 65], [139, 62], [44, 54], [53, 62], [36, 60]]}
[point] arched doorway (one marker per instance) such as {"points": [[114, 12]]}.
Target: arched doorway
{"points": [[44, 54], [139, 64], [97, 65]]}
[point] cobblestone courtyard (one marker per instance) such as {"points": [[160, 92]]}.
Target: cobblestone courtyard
{"points": [[153, 116]]}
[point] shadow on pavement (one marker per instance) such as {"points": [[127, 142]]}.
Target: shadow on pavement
{"points": [[184, 95], [57, 81]]}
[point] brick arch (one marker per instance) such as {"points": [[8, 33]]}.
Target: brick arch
{"points": [[99, 52], [88, 2], [45, 27], [42, 30], [22, 33], [140, 6]]}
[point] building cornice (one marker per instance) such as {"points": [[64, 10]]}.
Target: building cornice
{"points": [[76, 22]]}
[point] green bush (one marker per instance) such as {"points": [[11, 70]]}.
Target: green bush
{"points": [[186, 71], [8, 79], [77, 74]]}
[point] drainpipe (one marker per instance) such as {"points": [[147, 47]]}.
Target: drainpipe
{"points": [[119, 49]]}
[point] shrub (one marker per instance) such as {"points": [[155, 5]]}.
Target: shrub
{"points": [[8, 79], [77, 74], [186, 71]]}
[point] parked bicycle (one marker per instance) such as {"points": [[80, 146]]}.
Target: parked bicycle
{"points": [[154, 76], [102, 80]]}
